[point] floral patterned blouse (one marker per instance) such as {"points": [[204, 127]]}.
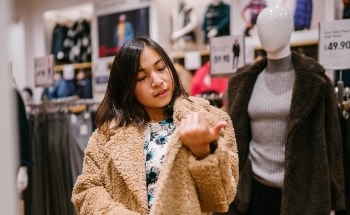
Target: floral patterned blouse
{"points": [[156, 137]]}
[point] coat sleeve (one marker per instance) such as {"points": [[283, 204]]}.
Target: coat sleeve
{"points": [[23, 132], [90, 196], [216, 176]]}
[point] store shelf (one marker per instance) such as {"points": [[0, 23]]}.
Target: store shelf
{"points": [[176, 55], [85, 65]]}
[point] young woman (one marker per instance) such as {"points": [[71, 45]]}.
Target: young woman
{"points": [[155, 150]]}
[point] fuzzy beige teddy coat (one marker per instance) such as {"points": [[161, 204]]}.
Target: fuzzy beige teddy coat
{"points": [[113, 180]]}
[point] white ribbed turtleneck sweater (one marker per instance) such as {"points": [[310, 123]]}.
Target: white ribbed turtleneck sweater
{"points": [[268, 110]]}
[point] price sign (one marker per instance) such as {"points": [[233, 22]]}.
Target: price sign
{"points": [[43, 71], [224, 58], [334, 44], [192, 60]]}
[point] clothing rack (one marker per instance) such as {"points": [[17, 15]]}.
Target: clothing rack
{"points": [[343, 99], [343, 111], [59, 136], [61, 104]]}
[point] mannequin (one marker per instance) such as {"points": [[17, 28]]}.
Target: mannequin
{"points": [[254, 7], [184, 22], [216, 20], [285, 112]]}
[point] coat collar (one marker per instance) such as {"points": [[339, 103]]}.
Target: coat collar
{"points": [[310, 82], [128, 156], [127, 151]]}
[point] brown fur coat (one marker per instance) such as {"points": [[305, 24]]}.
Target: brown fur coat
{"points": [[314, 177], [113, 180]]}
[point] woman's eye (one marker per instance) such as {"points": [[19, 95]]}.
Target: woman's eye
{"points": [[161, 68], [141, 78]]}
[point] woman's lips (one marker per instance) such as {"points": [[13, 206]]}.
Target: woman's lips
{"points": [[161, 93]]}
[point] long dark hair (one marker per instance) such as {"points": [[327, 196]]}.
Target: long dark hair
{"points": [[119, 102]]}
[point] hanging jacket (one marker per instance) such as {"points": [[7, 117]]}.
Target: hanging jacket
{"points": [[303, 14]]}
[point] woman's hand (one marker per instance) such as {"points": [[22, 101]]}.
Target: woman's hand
{"points": [[196, 134]]}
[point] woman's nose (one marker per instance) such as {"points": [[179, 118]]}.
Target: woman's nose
{"points": [[156, 80]]}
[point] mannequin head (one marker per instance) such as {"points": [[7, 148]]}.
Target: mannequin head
{"points": [[275, 27]]}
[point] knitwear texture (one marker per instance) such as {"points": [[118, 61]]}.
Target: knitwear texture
{"points": [[268, 110]]}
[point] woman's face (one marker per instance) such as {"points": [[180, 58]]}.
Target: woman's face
{"points": [[154, 85]]}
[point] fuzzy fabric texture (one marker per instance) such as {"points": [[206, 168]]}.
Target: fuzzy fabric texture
{"points": [[314, 174], [113, 180]]}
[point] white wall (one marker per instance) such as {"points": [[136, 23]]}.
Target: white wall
{"points": [[8, 146], [17, 50]]}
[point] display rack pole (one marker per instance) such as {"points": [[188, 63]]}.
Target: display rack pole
{"points": [[340, 85]]}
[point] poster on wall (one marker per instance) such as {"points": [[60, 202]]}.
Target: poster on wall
{"points": [[114, 29]]}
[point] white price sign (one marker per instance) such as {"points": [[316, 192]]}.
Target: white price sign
{"points": [[224, 58], [334, 44], [43, 71]]}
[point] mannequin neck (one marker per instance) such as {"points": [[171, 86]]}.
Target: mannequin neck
{"points": [[282, 53], [281, 64]]}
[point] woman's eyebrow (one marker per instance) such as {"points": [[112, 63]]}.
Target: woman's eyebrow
{"points": [[155, 63]]}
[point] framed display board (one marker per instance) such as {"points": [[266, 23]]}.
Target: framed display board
{"points": [[118, 21], [110, 39]]}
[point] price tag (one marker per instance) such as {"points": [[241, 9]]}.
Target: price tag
{"points": [[83, 130], [68, 72], [73, 118], [192, 60], [101, 76], [223, 60], [334, 44], [43, 71]]}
